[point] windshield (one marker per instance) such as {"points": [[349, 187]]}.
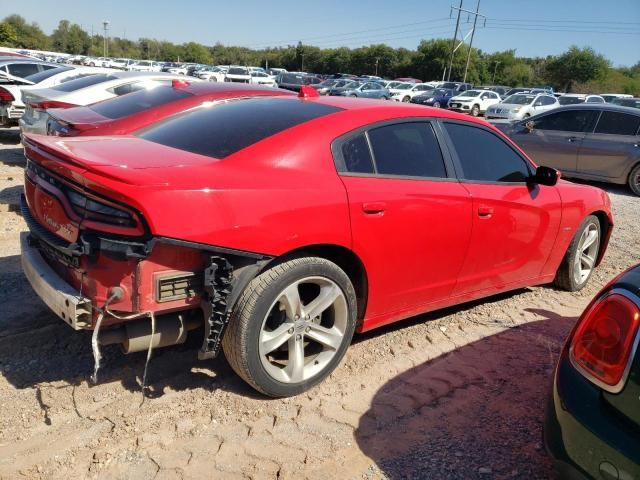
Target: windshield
{"points": [[40, 76], [570, 100], [519, 99], [431, 92], [83, 82], [470, 93], [328, 83], [627, 102], [237, 71], [292, 78], [404, 86]]}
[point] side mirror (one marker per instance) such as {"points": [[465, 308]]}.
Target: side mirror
{"points": [[546, 176]]}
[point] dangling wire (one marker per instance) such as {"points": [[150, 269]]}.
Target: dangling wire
{"points": [[149, 351]]}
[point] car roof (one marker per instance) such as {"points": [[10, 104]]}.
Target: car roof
{"points": [[597, 106]]}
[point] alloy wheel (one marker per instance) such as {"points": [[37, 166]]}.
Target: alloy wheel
{"points": [[586, 253], [303, 329]]}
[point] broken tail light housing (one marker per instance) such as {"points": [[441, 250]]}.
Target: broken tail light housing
{"points": [[605, 339], [6, 96]]}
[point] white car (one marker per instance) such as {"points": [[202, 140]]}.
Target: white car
{"points": [[406, 91], [261, 78], [575, 98], [12, 110], [97, 62], [238, 74], [144, 66], [85, 91], [214, 74], [521, 105], [474, 102], [121, 63]]}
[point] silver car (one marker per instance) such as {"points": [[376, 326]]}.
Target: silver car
{"points": [[589, 141], [521, 105]]}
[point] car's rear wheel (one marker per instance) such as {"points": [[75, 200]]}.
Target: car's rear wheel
{"points": [[634, 180], [291, 326], [436, 104], [475, 110], [579, 261]]}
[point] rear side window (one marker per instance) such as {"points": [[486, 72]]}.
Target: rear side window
{"points": [[23, 70], [40, 76], [356, 156], [126, 105], [485, 157], [222, 130], [74, 85], [407, 149], [566, 121], [617, 123]]}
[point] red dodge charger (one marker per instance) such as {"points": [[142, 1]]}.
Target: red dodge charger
{"points": [[285, 223]]}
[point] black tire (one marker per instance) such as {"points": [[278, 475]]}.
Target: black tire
{"points": [[242, 341], [436, 104], [406, 99], [475, 110], [634, 180], [565, 276], [526, 115]]}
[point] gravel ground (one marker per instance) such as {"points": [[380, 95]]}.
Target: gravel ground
{"points": [[455, 394]]}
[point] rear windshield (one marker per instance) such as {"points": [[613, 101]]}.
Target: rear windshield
{"points": [[40, 76], [292, 78], [83, 82], [136, 102], [238, 71], [224, 129], [570, 100]]}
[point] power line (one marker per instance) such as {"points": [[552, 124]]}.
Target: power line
{"points": [[528, 20], [390, 27], [565, 31], [389, 36]]}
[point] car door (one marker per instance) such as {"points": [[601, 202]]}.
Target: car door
{"points": [[515, 223], [410, 219], [555, 138], [612, 149], [367, 90]]}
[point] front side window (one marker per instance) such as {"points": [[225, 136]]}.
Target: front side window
{"points": [[617, 123], [485, 157], [407, 149], [566, 121]]}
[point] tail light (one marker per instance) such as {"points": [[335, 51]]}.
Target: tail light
{"points": [[6, 96], [604, 340], [51, 104], [58, 128]]}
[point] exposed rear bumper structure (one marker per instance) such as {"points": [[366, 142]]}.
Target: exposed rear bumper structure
{"points": [[64, 300]]}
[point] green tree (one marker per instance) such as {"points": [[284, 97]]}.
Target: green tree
{"points": [[577, 65], [195, 52], [28, 35], [8, 35], [518, 74]]}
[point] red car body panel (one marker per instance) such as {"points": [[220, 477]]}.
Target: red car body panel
{"points": [[83, 121], [424, 245]]}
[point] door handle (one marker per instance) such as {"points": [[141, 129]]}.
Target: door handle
{"points": [[374, 208], [572, 139], [485, 211]]}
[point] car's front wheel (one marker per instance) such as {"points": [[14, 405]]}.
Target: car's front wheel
{"points": [[634, 180], [291, 326], [580, 260], [406, 99], [436, 104], [475, 110]]}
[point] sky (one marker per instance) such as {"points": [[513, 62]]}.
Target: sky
{"points": [[531, 27]]}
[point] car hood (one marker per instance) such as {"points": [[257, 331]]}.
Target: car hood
{"points": [[464, 99], [509, 105]]}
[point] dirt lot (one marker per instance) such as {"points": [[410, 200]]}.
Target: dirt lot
{"points": [[456, 394]]}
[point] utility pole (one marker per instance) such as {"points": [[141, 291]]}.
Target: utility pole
{"points": [[302, 62], [493, 79], [377, 60], [105, 39], [455, 37], [473, 31]]}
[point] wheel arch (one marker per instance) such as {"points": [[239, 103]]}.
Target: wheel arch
{"points": [[345, 258]]}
